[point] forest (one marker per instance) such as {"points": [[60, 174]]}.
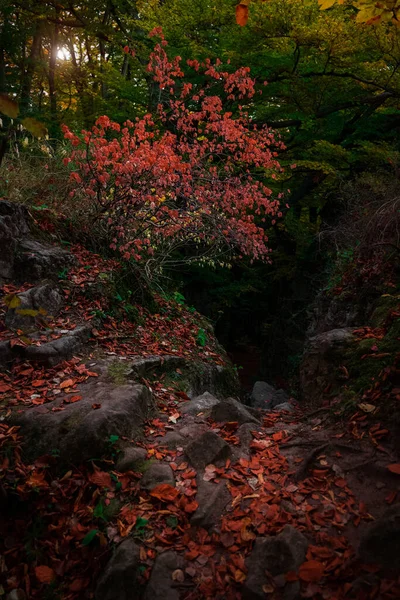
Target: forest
{"points": [[199, 299]]}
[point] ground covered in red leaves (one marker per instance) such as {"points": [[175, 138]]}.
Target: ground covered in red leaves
{"points": [[63, 524]]}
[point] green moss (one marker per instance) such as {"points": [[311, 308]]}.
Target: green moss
{"points": [[118, 372]]}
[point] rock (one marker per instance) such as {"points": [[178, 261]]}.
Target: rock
{"points": [[277, 555], [232, 410], [119, 581], [51, 353], [131, 459], [322, 355], [13, 225], [157, 473], [261, 394], [35, 261], [45, 300], [207, 449], [267, 397], [160, 586], [212, 498], [380, 543], [193, 430], [79, 432], [142, 366], [202, 404], [284, 406], [244, 434], [17, 594], [171, 439]]}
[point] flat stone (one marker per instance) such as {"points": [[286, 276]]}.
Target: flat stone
{"points": [[244, 434], [380, 542], [277, 555], [131, 459], [193, 430], [213, 498], [119, 581], [232, 410], [161, 585], [63, 348], [156, 474], [207, 449], [172, 439], [79, 432], [202, 404]]}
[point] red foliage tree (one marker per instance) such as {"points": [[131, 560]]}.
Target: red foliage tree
{"points": [[192, 174]]}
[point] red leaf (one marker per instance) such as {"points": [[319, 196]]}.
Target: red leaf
{"points": [[394, 468], [74, 399], [44, 574], [95, 406], [191, 507], [242, 14], [4, 388], [311, 571], [164, 492]]}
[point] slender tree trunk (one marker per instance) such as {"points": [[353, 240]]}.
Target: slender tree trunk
{"points": [[52, 80], [29, 70]]}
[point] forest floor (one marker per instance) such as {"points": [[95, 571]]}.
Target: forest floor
{"points": [[325, 478]]}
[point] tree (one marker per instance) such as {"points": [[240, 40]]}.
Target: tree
{"points": [[191, 176]]}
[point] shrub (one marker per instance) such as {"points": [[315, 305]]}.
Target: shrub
{"points": [[189, 177]]}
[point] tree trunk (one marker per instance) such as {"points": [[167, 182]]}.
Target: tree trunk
{"points": [[52, 82], [28, 72]]}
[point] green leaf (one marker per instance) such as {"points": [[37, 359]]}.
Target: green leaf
{"points": [[8, 106], [89, 537], [113, 439]]}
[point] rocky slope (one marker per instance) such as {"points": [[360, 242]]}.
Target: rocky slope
{"points": [[130, 468]]}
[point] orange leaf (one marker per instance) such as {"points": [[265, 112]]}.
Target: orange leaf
{"points": [[67, 383], [311, 571], [164, 492], [242, 14], [44, 574], [191, 507], [101, 478], [395, 468], [38, 382]]}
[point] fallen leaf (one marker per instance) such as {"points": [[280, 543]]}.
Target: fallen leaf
{"points": [[101, 478], [67, 383], [164, 492], [311, 571], [44, 574], [394, 468]]}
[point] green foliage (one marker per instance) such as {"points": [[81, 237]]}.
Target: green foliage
{"points": [[201, 338]]}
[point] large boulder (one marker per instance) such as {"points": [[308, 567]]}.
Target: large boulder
{"points": [[275, 555], [131, 459], [380, 543], [207, 449], [232, 410], [33, 307], [82, 430], [119, 581], [322, 356], [164, 579], [35, 261]]}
